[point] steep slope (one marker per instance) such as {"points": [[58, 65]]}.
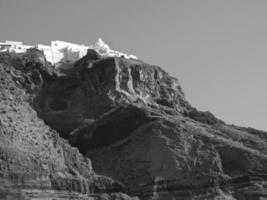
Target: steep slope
{"points": [[133, 121], [35, 163], [165, 157], [98, 85]]}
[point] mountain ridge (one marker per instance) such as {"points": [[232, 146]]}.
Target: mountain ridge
{"points": [[127, 128]]}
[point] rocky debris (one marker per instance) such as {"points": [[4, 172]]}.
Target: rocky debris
{"points": [[134, 123]]}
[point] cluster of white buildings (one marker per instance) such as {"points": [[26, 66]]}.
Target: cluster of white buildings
{"points": [[14, 46], [63, 52]]}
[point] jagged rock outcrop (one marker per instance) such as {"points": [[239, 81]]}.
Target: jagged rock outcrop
{"points": [[35, 163], [166, 156], [134, 123], [99, 85]]}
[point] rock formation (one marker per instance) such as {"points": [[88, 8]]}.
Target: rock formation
{"points": [[117, 128], [35, 163]]}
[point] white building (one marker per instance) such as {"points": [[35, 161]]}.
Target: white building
{"points": [[60, 52], [14, 46], [66, 52], [47, 50], [104, 50], [4, 47]]}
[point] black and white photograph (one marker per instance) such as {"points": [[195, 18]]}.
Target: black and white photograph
{"points": [[133, 100]]}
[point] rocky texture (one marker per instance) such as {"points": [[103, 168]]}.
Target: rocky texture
{"points": [[132, 120], [167, 156], [96, 86], [35, 163]]}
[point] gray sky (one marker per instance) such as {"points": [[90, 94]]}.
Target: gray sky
{"points": [[217, 49]]}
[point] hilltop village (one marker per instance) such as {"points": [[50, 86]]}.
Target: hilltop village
{"points": [[59, 52]]}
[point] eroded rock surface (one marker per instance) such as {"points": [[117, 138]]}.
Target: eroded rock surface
{"points": [[96, 86], [168, 156], [133, 121], [35, 163]]}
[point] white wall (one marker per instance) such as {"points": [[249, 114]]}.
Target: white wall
{"points": [[17, 47], [67, 52], [4, 47], [63, 52], [47, 52]]}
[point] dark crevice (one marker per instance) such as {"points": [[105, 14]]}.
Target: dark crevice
{"points": [[112, 128], [58, 104]]}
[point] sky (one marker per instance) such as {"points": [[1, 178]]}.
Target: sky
{"points": [[216, 48]]}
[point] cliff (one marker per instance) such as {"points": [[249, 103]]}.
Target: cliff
{"points": [[110, 126], [35, 163]]}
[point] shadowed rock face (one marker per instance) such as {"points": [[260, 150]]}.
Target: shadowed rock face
{"points": [[96, 87], [35, 163], [168, 156], [116, 126], [132, 120]]}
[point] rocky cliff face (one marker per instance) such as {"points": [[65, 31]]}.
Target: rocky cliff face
{"points": [[97, 86], [35, 163], [132, 120]]}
